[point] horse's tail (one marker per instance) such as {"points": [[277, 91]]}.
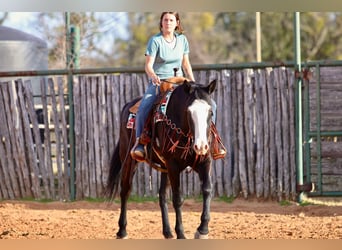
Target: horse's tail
{"points": [[114, 173]]}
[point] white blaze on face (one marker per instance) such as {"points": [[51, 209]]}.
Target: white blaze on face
{"points": [[199, 113]]}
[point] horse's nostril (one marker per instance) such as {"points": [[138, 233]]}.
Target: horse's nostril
{"points": [[204, 147]]}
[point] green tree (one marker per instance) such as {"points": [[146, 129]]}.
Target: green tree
{"points": [[240, 29], [140, 27], [96, 30], [321, 35], [200, 29], [119, 39], [277, 36]]}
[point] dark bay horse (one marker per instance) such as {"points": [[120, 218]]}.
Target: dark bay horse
{"points": [[180, 139]]}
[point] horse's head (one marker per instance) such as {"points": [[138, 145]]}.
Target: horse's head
{"points": [[200, 114]]}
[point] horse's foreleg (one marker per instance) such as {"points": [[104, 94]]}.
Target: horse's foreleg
{"points": [[163, 206], [202, 230], [177, 201]]}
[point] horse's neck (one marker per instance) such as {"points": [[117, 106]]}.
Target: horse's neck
{"points": [[176, 110], [176, 105]]}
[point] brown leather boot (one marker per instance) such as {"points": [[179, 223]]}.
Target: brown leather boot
{"points": [[138, 151], [218, 151]]}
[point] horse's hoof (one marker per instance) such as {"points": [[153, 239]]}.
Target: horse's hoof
{"points": [[168, 235], [181, 238], [200, 236], [122, 238]]}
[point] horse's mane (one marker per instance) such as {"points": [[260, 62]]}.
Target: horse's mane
{"points": [[181, 98], [195, 91]]}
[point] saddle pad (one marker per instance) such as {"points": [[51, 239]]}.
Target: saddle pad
{"points": [[131, 120], [159, 116]]}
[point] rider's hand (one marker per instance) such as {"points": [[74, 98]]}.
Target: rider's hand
{"points": [[156, 80]]}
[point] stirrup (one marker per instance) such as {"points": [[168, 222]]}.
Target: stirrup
{"points": [[218, 150], [136, 154], [220, 154]]}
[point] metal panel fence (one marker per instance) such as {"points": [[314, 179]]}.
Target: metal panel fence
{"points": [[255, 118], [323, 130]]}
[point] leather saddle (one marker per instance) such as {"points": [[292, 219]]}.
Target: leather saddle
{"points": [[165, 85]]}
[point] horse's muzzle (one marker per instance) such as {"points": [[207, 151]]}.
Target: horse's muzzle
{"points": [[201, 148]]}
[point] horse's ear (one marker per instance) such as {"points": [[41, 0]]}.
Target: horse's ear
{"points": [[187, 86], [211, 87]]}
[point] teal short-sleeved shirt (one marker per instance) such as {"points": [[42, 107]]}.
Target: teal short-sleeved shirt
{"points": [[167, 58]]}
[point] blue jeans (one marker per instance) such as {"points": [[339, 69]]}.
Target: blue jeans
{"points": [[145, 107], [214, 108]]}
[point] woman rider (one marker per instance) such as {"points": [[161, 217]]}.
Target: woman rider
{"points": [[166, 51]]}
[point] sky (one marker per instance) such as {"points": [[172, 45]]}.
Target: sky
{"points": [[20, 20]]}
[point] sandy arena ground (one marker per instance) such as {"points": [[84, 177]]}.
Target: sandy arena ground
{"points": [[241, 219]]}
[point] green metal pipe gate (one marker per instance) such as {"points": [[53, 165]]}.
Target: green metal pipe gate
{"points": [[316, 134]]}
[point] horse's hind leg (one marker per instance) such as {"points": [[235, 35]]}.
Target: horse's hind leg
{"points": [[126, 185], [163, 206], [122, 233]]}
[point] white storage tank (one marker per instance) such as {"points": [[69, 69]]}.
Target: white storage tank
{"points": [[20, 51]]}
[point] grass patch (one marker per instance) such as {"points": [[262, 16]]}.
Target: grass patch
{"points": [[198, 198], [305, 203], [284, 203], [44, 200], [90, 199], [227, 199], [137, 199]]}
